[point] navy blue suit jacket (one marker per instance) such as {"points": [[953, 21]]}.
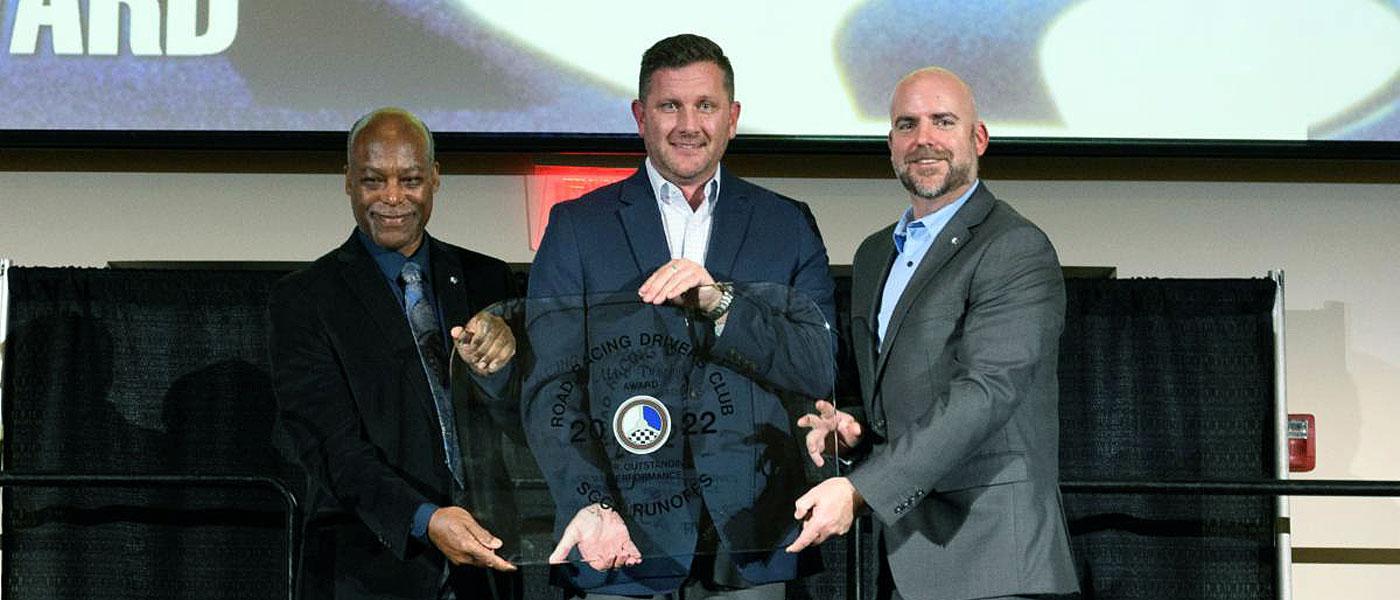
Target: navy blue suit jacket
{"points": [[748, 463]]}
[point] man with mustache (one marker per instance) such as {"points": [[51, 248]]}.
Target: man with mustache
{"points": [[956, 316], [678, 231], [361, 351]]}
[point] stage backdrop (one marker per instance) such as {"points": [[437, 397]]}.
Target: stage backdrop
{"points": [[165, 372], [1169, 380]]}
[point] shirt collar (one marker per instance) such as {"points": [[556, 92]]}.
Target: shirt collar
{"points": [[659, 184], [391, 262], [932, 222]]}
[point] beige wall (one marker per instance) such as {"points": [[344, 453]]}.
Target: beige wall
{"points": [[1334, 241]]}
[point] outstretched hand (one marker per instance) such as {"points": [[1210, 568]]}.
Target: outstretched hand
{"points": [[464, 541], [601, 537], [827, 425]]}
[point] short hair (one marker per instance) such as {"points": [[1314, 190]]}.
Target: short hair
{"points": [[680, 51], [364, 121]]}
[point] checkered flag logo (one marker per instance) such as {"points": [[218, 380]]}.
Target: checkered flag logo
{"points": [[642, 424]]}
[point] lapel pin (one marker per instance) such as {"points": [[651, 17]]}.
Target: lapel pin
{"points": [[453, 279], [955, 241]]}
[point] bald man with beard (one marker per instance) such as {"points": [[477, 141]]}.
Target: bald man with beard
{"points": [[956, 314]]}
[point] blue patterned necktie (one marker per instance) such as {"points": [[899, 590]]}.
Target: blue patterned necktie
{"points": [[432, 352]]}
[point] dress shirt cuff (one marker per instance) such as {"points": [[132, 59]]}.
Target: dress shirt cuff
{"points": [[421, 517]]}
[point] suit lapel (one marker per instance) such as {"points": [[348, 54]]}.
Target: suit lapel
{"points": [[874, 288], [451, 286], [729, 228], [641, 219], [955, 236], [868, 288], [455, 294], [361, 274]]}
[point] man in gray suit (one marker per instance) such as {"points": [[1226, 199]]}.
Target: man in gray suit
{"points": [[956, 316]]}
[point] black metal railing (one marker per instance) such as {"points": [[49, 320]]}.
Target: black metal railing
{"points": [[1277, 487]]}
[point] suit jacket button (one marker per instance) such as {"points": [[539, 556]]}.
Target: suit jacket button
{"points": [[879, 423]]}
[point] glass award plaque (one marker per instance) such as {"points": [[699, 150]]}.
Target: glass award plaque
{"points": [[627, 440]]}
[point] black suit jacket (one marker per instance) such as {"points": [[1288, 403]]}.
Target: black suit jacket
{"points": [[355, 406]]}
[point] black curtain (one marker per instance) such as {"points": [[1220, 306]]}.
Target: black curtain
{"points": [[165, 372], [1169, 380], [140, 372]]}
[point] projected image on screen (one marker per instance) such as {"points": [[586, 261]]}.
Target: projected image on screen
{"points": [[1170, 69]]}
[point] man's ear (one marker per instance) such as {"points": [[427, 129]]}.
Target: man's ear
{"points": [[734, 118], [639, 112]]}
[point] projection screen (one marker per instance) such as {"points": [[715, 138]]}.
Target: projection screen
{"points": [[1293, 70]]}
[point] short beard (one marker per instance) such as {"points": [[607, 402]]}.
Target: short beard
{"points": [[958, 176]]}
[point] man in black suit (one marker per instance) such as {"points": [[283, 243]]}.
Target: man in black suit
{"points": [[361, 360], [956, 312]]}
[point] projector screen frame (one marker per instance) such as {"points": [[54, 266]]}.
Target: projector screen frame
{"points": [[746, 144]]}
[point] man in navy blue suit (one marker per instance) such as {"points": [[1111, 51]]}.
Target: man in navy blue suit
{"points": [[684, 231]]}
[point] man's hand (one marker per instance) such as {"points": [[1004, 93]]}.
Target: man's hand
{"points": [[671, 282], [829, 423], [826, 510], [486, 343], [602, 540], [464, 541]]}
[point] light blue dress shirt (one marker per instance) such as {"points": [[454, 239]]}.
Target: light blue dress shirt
{"points": [[912, 239]]}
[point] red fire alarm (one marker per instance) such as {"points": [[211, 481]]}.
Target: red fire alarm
{"points": [[1302, 443]]}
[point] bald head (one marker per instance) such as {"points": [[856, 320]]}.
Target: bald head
{"points": [[391, 121], [935, 137], [935, 78]]}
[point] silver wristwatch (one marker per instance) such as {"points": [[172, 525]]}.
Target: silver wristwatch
{"points": [[726, 298]]}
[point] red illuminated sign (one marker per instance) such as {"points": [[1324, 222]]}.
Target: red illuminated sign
{"points": [[552, 184]]}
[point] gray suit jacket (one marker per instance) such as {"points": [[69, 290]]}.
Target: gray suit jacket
{"points": [[961, 408]]}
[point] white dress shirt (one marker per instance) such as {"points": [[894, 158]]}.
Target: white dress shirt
{"points": [[687, 231]]}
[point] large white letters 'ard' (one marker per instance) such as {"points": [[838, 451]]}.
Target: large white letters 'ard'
{"points": [[180, 22]]}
